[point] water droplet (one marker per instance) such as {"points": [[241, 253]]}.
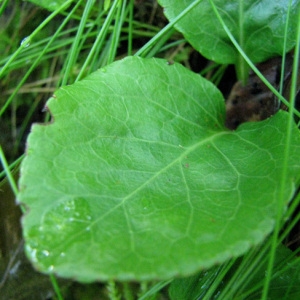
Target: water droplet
{"points": [[88, 228], [14, 269], [45, 252], [51, 268], [33, 253], [26, 42], [63, 254], [58, 226]]}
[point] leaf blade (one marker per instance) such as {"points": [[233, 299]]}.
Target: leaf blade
{"points": [[261, 35], [137, 177]]}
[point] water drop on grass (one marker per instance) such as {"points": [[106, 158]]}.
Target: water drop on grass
{"points": [[26, 42], [15, 268]]}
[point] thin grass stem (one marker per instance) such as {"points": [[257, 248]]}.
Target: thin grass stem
{"points": [[32, 67], [130, 27], [75, 49], [3, 6], [155, 289], [146, 48], [284, 172], [100, 39], [56, 287], [25, 44], [8, 173], [252, 66], [218, 279]]}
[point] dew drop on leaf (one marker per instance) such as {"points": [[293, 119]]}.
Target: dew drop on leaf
{"points": [[45, 252]]}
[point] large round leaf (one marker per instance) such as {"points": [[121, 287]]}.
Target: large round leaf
{"points": [[137, 178], [258, 26]]}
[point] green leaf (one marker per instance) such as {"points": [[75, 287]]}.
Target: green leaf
{"points": [[258, 26], [136, 176]]}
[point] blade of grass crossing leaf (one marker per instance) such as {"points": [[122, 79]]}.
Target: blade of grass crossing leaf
{"points": [[284, 49], [146, 48], [256, 257], [285, 165], [252, 66], [241, 67]]}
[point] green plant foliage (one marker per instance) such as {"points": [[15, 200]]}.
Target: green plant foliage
{"points": [[257, 25], [136, 176], [50, 5], [286, 280], [193, 287], [285, 285]]}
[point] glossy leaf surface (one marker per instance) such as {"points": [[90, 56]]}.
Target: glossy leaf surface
{"points": [[136, 176], [257, 25]]}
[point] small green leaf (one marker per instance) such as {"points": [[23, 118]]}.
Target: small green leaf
{"points": [[258, 26], [137, 178]]}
